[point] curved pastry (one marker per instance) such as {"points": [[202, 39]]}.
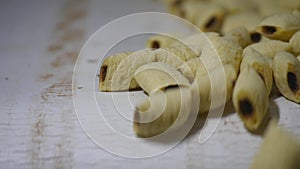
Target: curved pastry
{"points": [[117, 71], [278, 150], [286, 70], [207, 16], [163, 110], [158, 76], [269, 48], [280, 26], [258, 62], [250, 98], [204, 82]]}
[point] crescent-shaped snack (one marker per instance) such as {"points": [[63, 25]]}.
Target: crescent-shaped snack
{"points": [[295, 43], [239, 35], [269, 48], [250, 98], [260, 63], [117, 71], [160, 41], [162, 110], [286, 70], [215, 79], [278, 150], [158, 76], [211, 18], [207, 16], [280, 26]]}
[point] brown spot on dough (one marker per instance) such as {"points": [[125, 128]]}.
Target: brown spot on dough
{"points": [[268, 30], [292, 82], [103, 71], [211, 22], [255, 37], [155, 45], [246, 108]]}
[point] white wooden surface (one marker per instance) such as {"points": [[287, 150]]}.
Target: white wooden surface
{"points": [[38, 126]]}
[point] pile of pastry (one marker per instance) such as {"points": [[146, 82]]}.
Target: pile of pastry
{"points": [[248, 53]]}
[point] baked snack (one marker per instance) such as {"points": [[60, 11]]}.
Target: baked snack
{"points": [[286, 69]]}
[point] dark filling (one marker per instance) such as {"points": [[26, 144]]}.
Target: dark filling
{"points": [[103, 71], [246, 108], [155, 45], [255, 37], [211, 22], [269, 30], [292, 81], [170, 87]]}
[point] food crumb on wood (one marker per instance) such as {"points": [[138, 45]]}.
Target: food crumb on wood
{"points": [[55, 47], [46, 76]]}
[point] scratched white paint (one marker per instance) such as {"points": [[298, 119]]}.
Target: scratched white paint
{"points": [[38, 126]]}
